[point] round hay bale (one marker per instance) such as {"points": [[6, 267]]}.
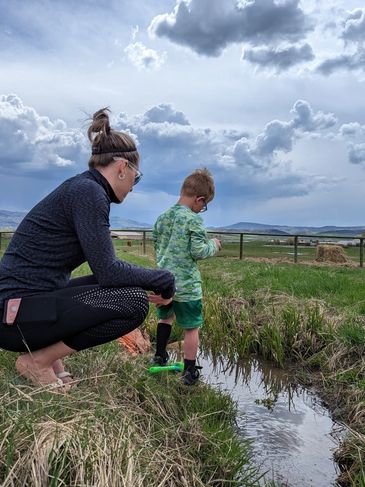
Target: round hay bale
{"points": [[331, 253]]}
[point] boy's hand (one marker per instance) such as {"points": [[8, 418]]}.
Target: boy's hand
{"points": [[158, 300], [218, 243]]}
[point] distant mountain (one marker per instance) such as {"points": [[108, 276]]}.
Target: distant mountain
{"points": [[287, 230], [116, 222], [9, 220]]}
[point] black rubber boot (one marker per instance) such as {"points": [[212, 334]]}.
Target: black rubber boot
{"points": [[158, 360], [191, 375]]}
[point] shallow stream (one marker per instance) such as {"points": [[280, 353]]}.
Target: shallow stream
{"points": [[292, 433]]}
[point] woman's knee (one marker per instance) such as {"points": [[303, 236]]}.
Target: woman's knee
{"points": [[140, 304]]}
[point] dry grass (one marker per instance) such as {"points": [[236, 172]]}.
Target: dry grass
{"points": [[318, 263], [326, 345], [118, 427], [331, 253]]}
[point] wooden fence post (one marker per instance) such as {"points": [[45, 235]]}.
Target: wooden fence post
{"points": [[361, 252], [296, 248], [144, 242], [241, 246]]}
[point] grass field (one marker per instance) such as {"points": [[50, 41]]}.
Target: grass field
{"points": [[255, 248], [305, 317]]}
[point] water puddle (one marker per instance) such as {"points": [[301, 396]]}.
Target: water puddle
{"points": [[293, 436]]}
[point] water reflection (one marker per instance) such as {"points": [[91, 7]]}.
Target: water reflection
{"points": [[291, 432]]}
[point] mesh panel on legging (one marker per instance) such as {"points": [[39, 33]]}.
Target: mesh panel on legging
{"points": [[132, 305]]}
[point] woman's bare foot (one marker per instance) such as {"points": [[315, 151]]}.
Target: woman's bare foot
{"points": [[34, 371], [38, 365], [60, 372]]}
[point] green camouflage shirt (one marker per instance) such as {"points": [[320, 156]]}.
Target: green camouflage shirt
{"points": [[180, 239]]}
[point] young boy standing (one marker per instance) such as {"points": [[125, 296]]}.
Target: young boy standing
{"points": [[180, 240]]}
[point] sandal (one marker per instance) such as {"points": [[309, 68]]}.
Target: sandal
{"points": [[63, 375], [59, 386]]}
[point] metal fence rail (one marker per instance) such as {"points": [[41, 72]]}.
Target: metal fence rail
{"points": [[239, 235]]}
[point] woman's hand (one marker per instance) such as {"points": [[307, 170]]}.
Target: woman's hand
{"points": [[158, 300]]}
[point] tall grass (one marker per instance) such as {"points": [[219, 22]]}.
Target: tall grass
{"points": [[118, 427], [307, 317]]}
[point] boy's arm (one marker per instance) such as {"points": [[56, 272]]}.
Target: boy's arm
{"points": [[201, 246]]}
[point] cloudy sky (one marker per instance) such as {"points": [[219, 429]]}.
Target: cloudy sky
{"points": [[268, 94]]}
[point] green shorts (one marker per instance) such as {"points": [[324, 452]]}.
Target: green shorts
{"points": [[189, 314]]}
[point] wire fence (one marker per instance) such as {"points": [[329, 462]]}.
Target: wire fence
{"points": [[242, 245]]}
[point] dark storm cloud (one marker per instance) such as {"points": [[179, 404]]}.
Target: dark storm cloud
{"points": [[209, 26], [279, 59]]}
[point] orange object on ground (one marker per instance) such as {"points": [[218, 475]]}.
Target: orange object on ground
{"points": [[135, 342]]}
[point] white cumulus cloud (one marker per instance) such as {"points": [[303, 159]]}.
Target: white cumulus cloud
{"points": [[32, 142], [357, 154], [143, 57], [353, 36]]}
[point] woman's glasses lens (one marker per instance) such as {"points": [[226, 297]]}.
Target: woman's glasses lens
{"points": [[137, 177]]}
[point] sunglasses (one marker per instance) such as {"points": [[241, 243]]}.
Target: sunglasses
{"points": [[138, 175], [205, 207]]}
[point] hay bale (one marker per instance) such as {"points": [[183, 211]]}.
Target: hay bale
{"points": [[331, 253]]}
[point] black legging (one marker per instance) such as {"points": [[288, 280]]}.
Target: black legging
{"points": [[87, 315]]}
